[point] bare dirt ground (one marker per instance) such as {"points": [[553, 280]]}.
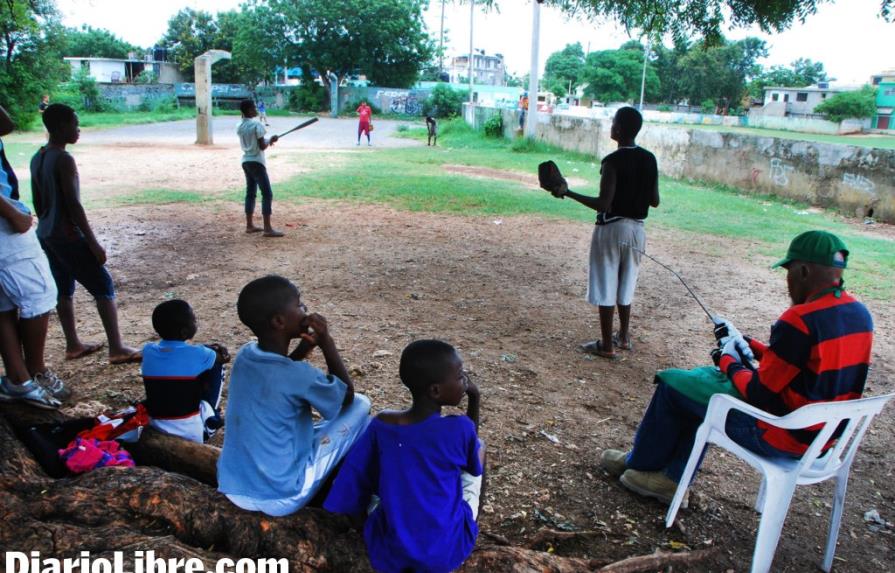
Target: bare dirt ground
{"points": [[510, 297]]}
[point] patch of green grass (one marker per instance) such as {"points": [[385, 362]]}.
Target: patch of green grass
{"points": [[111, 119], [156, 197], [415, 179], [878, 141]]}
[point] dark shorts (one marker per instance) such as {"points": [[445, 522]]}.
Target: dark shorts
{"points": [[72, 261]]}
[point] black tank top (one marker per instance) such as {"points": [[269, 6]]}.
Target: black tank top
{"points": [[636, 173]]}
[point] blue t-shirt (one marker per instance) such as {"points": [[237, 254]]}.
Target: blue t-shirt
{"points": [[172, 376], [422, 522], [270, 433]]}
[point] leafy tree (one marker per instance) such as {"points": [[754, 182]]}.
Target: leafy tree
{"points": [[615, 75], [258, 40], [562, 72], [858, 104], [802, 72], [717, 72], [30, 60], [89, 42], [191, 33], [445, 101], [384, 39]]}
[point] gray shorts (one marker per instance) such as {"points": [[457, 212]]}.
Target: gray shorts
{"points": [[28, 286], [614, 265]]}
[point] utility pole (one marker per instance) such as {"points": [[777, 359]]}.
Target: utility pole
{"points": [[643, 77], [469, 68], [531, 120]]}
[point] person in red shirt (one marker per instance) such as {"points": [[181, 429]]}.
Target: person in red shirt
{"points": [[365, 123], [819, 351]]}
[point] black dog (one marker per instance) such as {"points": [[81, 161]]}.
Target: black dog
{"points": [[432, 127]]}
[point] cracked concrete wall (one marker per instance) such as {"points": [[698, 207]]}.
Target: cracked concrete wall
{"points": [[856, 181]]}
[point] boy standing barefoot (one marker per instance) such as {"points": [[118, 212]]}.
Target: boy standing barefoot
{"points": [[72, 249]]}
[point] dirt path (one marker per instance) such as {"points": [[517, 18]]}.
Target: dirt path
{"points": [[510, 296]]}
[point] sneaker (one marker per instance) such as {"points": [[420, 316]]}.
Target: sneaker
{"points": [[30, 393], [212, 425], [614, 462], [651, 484], [53, 384]]}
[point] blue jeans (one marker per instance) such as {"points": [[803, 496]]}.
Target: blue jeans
{"points": [[666, 433], [256, 176]]}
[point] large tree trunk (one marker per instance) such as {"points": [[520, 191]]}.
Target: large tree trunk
{"points": [[176, 512]]}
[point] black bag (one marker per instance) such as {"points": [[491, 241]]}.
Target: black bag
{"points": [[45, 440]]}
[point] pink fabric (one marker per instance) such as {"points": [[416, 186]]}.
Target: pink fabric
{"points": [[83, 455]]}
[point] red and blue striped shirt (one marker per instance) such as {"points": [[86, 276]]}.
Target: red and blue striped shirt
{"points": [[819, 352]]}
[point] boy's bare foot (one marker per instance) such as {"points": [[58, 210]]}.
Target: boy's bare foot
{"points": [[84, 350], [253, 229], [126, 355], [272, 233]]}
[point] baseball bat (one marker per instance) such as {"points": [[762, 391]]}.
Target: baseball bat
{"points": [[299, 126]]}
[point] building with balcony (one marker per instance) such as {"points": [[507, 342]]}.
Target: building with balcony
{"points": [[486, 69]]}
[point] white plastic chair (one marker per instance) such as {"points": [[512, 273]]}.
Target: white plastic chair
{"points": [[781, 476]]}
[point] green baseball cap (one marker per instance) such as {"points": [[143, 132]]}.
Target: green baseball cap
{"points": [[819, 247]]}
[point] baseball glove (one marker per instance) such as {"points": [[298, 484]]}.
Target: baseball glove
{"points": [[551, 179]]}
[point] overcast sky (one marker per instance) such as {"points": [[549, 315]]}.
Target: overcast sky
{"points": [[847, 36]]}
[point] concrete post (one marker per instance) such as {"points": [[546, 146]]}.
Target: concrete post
{"points": [[202, 66], [531, 119], [333, 94]]}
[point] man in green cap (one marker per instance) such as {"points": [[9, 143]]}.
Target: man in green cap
{"points": [[819, 351]]}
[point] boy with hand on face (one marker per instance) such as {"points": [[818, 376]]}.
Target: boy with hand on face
{"points": [[275, 458], [422, 470], [183, 381]]}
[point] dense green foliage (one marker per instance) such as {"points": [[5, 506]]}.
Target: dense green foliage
{"points": [[385, 40], [699, 72], [615, 75], [30, 59], [191, 33], [89, 42], [445, 101], [858, 104], [562, 73]]}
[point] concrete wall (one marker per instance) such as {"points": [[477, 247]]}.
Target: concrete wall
{"points": [[132, 96], [851, 179]]}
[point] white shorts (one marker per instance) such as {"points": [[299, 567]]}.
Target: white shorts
{"points": [[27, 285], [613, 263]]}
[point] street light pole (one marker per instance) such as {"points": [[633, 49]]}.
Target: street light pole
{"points": [[531, 120], [469, 67], [441, 42]]}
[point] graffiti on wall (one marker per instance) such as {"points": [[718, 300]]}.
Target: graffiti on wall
{"points": [[858, 182], [780, 172], [399, 101]]}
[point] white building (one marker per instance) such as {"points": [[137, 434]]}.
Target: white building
{"points": [[783, 101], [487, 70], [115, 71]]}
